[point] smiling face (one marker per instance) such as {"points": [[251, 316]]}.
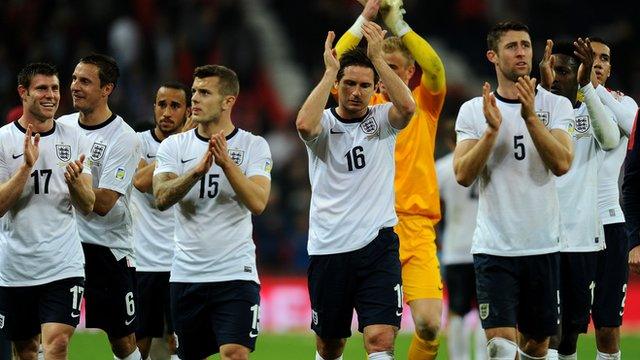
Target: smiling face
{"points": [[513, 56], [86, 91], [355, 89], [170, 110], [42, 97]]}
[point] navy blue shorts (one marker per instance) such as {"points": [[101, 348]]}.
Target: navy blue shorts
{"points": [[154, 307], [24, 309], [611, 278], [110, 292], [577, 288], [461, 286], [367, 280], [519, 291], [209, 315]]}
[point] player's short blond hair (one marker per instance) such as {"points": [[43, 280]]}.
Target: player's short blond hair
{"points": [[393, 44]]}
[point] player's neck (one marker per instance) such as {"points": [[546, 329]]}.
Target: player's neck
{"points": [[346, 114], [213, 127], [507, 89], [95, 117], [37, 125], [160, 135]]}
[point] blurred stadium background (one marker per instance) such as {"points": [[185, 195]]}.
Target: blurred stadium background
{"points": [[275, 46]]}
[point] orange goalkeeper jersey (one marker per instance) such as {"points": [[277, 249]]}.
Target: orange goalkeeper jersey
{"points": [[416, 185]]}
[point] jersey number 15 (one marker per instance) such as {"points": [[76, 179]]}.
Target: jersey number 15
{"points": [[211, 183]]}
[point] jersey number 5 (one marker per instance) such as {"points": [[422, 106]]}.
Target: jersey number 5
{"points": [[519, 152]]}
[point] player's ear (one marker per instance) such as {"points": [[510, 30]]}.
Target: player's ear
{"points": [[107, 89], [492, 56], [228, 102], [22, 92], [411, 69]]}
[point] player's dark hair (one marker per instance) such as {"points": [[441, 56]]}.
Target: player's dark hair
{"points": [[33, 69], [566, 48], [356, 57], [499, 29], [228, 83], [179, 86], [108, 70], [599, 40]]}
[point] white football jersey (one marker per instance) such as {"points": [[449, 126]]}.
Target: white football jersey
{"points": [[608, 190], [152, 228], [39, 240], [351, 169], [213, 228], [460, 212], [114, 156], [518, 211], [578, 188]]}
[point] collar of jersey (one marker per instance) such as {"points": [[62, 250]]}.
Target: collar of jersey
{"points": [[509, 101], [577, 105], [228, 137], [154, 136], [98, 126], [349, 121], [24, 131]]}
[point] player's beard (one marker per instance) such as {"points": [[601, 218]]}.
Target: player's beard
{"points": [[513, 74]]}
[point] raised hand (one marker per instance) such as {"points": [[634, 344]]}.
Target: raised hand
{"points": [[370, 10], [331, 62], [584, 52], [31, 149], [375, 38], [392, 13], [218, 147], [526, 87], [203, 166], [490, 109], [547, 73], [73, 170]]}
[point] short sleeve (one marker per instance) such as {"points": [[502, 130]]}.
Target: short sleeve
{"points": [[167, 157], [322, 137], [4, 169], [144, 146], [562, 116], [465, 123], [260, 162], [121, 163], [382, 112]]}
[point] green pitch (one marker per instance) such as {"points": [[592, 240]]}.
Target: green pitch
{"points": [[301, 346]]}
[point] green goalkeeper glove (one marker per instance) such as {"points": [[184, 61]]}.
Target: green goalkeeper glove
{"points": [[392, 11]]}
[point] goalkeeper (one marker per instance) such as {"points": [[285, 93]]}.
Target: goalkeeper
{"points": [[417, 198]]}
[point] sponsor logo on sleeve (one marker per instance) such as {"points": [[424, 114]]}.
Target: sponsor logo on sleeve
{"points": [[121, 173], [268, 166]]}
